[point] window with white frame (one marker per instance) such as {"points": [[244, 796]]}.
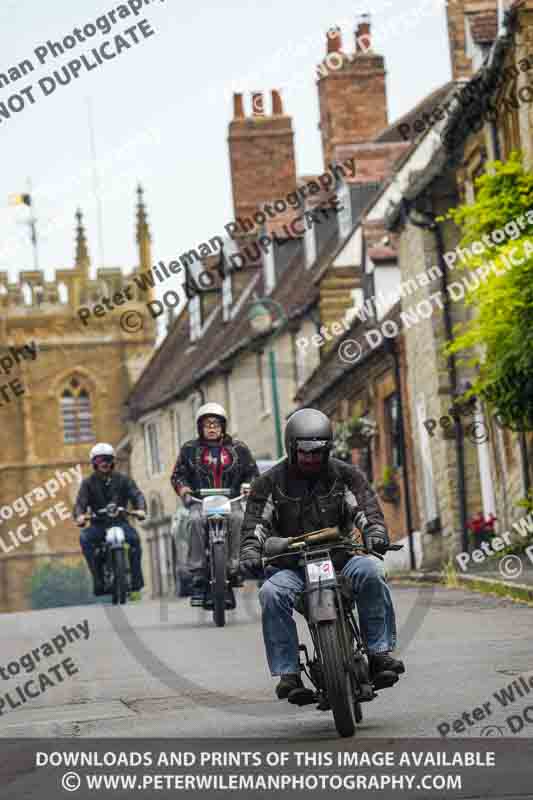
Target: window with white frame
{"points": [[299, 360], [345, 210], [230, 406], [153, 453], [195, 317], [430, 500], [196, 402], [176, 430]]}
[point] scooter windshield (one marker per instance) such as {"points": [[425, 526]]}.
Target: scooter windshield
{"points": [[216, 505]]}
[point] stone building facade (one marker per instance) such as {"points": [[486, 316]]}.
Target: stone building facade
{"points": [[73, 396], [459, 473]]}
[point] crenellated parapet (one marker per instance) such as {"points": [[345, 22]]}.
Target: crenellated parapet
{"points": [[72, 288]]}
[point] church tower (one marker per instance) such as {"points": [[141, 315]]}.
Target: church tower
{"points": [[63, 385]]}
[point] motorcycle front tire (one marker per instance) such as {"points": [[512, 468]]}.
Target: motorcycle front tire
{"points": [[219, 584], [337, 677], [119, 571]]}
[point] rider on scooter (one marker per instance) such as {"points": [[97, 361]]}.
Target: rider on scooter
{"points": [[307, 491], [214, 460], [102, 487]]}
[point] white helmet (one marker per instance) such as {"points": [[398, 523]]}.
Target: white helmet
{"points": [[211, 409], [102, 449]]}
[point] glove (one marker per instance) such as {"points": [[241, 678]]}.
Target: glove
{"points": [[377, 540], [141, 514], [251, 568]]}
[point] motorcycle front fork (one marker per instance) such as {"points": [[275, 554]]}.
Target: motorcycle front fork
{"points": [[357, 665]]}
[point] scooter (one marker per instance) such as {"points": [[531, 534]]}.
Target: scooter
{"points": [[216, 512]]}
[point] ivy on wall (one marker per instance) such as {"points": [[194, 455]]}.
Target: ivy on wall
{"points": [[499, 338]]}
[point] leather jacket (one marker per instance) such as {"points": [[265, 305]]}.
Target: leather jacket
{"points": [[96, 492], [341, 496], [189, 470]]}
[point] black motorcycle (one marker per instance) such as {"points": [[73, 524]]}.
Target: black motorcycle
{"points": [[111, 557], [216, 516], [338, 669]]}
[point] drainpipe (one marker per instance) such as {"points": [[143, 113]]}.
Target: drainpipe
{"points": [[391, 347], [431, 225]]}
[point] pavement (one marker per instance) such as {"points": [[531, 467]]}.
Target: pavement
{"points": [[509, 576], [164, 670]]}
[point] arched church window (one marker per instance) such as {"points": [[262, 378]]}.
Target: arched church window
{"points": [[76, 413]]}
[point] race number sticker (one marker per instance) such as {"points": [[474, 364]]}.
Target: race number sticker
{"points": [[320, 571]]}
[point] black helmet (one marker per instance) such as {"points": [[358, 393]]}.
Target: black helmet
{"points": [[311, 425]]}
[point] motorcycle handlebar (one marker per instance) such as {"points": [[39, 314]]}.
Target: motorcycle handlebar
{"points": [[302, 547], [101, 512]]}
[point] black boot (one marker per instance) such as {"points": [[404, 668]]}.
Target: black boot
{"points": [[198, 590], [137, 583], [235, 578], [287, 684], [98, 584], [96, 573], [384, 670]]}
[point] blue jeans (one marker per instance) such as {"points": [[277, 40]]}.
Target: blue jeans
{"points": [[95, 534], [374, 606]]}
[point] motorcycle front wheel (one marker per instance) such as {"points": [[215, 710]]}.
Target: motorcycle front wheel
{"points": [[119, 570], [219, 584], [336, 677]]}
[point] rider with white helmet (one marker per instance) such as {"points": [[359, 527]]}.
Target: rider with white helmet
{"points": [[212, 460], [105, 486]]}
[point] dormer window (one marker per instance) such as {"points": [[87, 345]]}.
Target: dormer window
{"points": [[269, 267], [230, 248], [310, 246], [195, 317], [345, 210]]}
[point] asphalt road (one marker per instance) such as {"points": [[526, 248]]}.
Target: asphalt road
{"points": [[166, 671]]}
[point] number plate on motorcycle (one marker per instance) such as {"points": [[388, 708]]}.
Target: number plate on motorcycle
{"points": [[320, 571]]}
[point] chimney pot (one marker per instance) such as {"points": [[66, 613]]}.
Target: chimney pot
{"points": [[258, 104], [363, 39], [277, 104], [238, 108], [334, 39]]}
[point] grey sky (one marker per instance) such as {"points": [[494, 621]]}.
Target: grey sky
{"points": [[162, 108]]}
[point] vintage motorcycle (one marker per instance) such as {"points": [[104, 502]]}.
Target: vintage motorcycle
{"points": [[111, 557], [216, 511], [338, 668]]}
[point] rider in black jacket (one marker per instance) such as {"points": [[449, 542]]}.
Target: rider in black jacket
{"points": [[212, 461], [307, 491], [102, 487]]}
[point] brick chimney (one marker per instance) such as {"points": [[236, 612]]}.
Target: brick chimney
{"points": [[352, 93], [470, 19], [261, 150]]}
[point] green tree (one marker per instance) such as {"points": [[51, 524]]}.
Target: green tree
{"points": [[55, 585], [499, 337]]}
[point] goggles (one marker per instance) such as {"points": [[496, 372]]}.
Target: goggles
{"points": [[212, 423], [312, 445], [103, 460]]}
